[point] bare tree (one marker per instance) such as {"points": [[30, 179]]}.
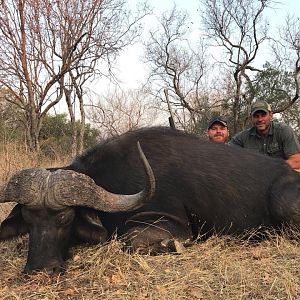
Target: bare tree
{"points": [[287, 57], [177, 67], [122, 111], [237, 26], [49, 50]]}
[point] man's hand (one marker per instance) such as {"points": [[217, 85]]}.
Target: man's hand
{"points": [[294, 161]]}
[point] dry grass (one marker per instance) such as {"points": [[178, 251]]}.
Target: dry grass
{"points": [[220, 268], [14, 157]]}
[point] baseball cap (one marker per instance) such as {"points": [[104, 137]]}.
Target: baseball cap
{"points": [[217, 119], [260, 105]]}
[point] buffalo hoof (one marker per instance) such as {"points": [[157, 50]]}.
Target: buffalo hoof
{"points": [[49, 271], [164, 246], [173, 245]]}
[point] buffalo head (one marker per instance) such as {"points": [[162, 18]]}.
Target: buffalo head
{"points": [[54, 206]]}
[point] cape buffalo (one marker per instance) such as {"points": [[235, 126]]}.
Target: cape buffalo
{"points": [[200, 187]]}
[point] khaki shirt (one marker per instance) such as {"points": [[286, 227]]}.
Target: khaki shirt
{"points": [[280, 142]]}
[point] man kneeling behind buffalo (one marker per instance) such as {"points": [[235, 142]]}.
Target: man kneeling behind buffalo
{"points": [[268, 137]]}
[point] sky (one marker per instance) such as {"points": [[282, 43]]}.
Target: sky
{"points": [[131, 66], [132, 70]]}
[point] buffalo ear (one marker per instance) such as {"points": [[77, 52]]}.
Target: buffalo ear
{"points": [[88, 227], [13, 225]]}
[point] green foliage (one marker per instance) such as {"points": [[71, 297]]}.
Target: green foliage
{"points": [[10, 119], [272, 85], [56, 135], [56, 132], [276, 87]]}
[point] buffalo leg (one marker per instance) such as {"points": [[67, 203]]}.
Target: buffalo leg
{"points": [[285, 200], [150, 236]]}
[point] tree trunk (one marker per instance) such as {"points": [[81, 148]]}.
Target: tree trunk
{"points": [[72, 120], [82, 127]]}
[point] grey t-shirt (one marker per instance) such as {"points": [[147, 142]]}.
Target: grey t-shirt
{"points": [[280, 142]]}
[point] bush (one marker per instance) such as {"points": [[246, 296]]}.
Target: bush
{"points": [[56, 135]]}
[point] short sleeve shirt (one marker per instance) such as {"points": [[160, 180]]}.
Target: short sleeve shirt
{"points": [[281, 141]]}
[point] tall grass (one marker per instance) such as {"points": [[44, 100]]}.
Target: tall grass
{"points": [[14, 157]]}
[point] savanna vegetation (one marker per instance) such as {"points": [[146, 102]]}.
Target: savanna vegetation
{"points": [[54, 53]]}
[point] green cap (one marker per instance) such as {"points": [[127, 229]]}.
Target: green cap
{"points": [[260, 105]]}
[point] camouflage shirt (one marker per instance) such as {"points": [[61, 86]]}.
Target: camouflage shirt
{"points": [[280, 142]]}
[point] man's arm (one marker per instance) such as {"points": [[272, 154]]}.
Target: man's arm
{"points": [[294, 161], [291, 147], [237, 140]]}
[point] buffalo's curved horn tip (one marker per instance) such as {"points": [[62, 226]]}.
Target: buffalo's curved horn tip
{"points": [[75, 189], [150, 175]]}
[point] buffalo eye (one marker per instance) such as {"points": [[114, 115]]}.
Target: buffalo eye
{"points": [[65, 218]]}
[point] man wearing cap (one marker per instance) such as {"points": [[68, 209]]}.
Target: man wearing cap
{"points": [[269, 138], [217, 130]]}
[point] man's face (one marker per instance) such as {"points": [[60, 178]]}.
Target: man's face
{"points": [[218, 133], [261, 120]]}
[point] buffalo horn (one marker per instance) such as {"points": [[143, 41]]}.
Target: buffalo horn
{"points": [[38, 186], [28, 187]]}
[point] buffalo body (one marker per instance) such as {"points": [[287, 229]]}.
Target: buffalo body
{"points": [[201, 188]]}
